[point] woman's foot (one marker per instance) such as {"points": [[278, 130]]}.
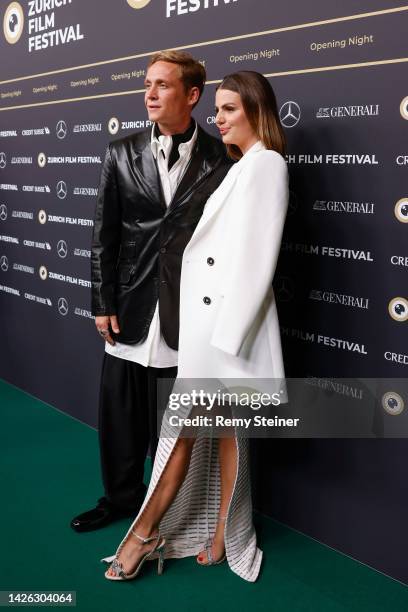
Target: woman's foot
{"points": [[217, 545], [134, 549]]}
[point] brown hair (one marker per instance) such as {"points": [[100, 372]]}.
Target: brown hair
{"points": [[192, 72], [259, 102]]}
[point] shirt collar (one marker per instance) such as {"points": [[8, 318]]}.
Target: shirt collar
{"points": [[164, 143]]}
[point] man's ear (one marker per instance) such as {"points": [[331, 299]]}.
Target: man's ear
{"points": [[193, 96]]}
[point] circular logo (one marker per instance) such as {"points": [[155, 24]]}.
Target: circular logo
{"points": [[3, 160], [392, 403], [404, 108], [289, 114], [398, 309], [284, 289], [13, 22], [63, 306], [138, 4], [62, 190], [43, 272], [401, 210], [3, 212], [113, 125], [61, 129], [42, 216], [4, 263], [62, 248], [42, 159]]}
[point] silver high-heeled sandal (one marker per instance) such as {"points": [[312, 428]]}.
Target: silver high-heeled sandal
{"points": [[117, 567], [208, 547]]}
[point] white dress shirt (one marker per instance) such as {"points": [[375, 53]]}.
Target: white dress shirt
{"points": [[154, 351]]}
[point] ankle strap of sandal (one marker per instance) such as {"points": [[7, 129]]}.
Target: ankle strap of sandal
{"points": [[145, 540]]}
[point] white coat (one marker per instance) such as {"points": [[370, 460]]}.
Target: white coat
{"points": [[228, 319]]}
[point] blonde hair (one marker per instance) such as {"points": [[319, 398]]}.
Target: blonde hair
{"points": [[259, 102], [192, 73]]}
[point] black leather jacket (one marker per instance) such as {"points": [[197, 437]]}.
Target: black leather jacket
{"points": [[138, 241]]}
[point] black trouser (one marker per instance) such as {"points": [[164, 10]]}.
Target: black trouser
{"points": [[127, 425]]}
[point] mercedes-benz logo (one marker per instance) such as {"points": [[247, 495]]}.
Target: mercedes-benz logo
{"points": [[61, 129], [62, 306], [62, 248], [284, 289], [289, 114], [4, 263], [62, 190], [3, 212], [3, 160]]}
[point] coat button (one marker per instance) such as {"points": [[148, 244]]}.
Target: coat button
{"points": [[210, 261], [163, 250], [206, 300]]}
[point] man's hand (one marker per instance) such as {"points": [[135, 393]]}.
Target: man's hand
{"points": [[102, 325]]}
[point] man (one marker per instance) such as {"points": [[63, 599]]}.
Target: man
{"points": [[153, 188]]}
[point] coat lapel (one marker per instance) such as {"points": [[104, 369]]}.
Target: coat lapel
{"points": [[215, 202], [219, 196]]}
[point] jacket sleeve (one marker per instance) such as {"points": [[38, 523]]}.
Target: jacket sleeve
{"points": [[105, 240], [254, 240]]}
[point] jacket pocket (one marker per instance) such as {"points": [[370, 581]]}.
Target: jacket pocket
{"points": [[128, 251], [124, 273], [126, 261]]}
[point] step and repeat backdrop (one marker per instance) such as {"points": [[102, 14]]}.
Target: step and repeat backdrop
{"points": [[71, 79]]}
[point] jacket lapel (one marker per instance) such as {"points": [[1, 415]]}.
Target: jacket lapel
{"points": [[148, 174], [197, 170]]}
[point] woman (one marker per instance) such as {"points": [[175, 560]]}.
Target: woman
{"points": [[199, 495]]}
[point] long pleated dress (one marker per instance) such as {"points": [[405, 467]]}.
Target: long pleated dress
{"points": [[193, 515]]}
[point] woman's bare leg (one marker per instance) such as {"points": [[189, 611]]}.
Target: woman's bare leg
{"points": [[228, 470], [164, 493]]}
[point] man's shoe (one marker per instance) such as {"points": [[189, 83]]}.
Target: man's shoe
{"points": [[102, 515]]}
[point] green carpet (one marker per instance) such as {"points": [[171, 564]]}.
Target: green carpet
{"points": [[50, 472]]}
